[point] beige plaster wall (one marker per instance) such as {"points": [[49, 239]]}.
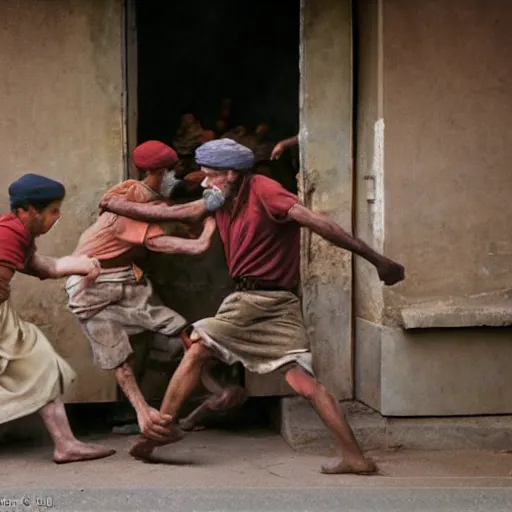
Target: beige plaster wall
{"points": [[438, 74], [447, 109], [61, 96]]}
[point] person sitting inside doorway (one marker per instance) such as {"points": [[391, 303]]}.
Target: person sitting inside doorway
{"points": [[189, 135]]}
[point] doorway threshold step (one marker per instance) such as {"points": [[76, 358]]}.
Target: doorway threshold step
{"points": [[304, 431]]}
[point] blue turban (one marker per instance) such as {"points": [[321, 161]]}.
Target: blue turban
{"points": [[224, 154], [32, 188]]}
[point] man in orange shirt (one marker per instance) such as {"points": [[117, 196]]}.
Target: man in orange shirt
{"points": [[121, 302]]}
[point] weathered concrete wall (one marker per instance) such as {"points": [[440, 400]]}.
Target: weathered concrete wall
{"points": [[434, 372], [443, 91], [62, 117], [447, 105], [326, 154]]}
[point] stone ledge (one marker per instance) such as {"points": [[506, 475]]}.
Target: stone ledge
{"points": [[303, 430], [458, 313]]}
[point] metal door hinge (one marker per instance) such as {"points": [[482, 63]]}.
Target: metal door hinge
{"points": [[370, 188]]}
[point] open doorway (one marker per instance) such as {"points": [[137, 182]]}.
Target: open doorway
{"points": [[206, 63], [229, 67]]}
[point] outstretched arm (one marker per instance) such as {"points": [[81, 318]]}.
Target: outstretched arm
{"points": [[150, 212], [46, 267], [280, 147], [160, 212], [389, 271], [177, 245]]}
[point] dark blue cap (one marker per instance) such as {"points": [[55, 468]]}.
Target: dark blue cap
{"points": [[32, 188], [225, 154]]}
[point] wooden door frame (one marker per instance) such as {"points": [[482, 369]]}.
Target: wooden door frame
{"points": [[130, 85]]}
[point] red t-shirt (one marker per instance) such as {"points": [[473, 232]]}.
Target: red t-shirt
{"points": [[259, 241], [16, 243]]}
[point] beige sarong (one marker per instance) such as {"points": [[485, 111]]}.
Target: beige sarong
{"points": [[32, 374], [263, 330]]}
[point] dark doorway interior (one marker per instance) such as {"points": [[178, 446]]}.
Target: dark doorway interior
{"points": [[193, 53]]}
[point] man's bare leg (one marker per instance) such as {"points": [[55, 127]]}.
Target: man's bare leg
{"points": [[223, 398], [151, 422], [182, 384], [67, 447], [229, 398], [327, 407]]}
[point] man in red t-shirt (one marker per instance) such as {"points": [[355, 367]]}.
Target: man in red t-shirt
{"points": [[33, 376], [261, 324]]}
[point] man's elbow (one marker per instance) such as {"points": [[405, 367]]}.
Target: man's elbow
{"points": [[122, 372], [205, 246], [303, 216], [199, 247]]}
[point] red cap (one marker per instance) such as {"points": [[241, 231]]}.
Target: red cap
{"points": [[153, 154]]}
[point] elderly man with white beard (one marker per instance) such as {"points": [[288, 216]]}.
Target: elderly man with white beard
{"points": [[261, 324]]}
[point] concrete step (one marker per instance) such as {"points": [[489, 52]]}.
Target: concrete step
{"points": [[304, 431]]}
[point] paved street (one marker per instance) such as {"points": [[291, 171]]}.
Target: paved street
{"points": [[215, 471], [353, 499]]}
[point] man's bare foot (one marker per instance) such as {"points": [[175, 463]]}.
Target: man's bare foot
{"points": [[79, 451], [337, 467], [143, 447]]}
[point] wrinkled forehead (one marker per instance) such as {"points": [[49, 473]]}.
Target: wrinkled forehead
{"points": [[213, 173]]}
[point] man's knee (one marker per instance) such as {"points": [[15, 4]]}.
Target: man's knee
{"points": [[185, 338], [304, 384], [199, 351]]}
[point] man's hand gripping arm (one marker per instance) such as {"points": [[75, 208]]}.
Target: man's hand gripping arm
{"points": [[177, 245], [46, 267]]}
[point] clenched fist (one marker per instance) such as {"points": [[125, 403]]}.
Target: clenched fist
{"points": [[390, 272]]}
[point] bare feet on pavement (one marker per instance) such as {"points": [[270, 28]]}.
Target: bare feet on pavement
{"points": [[143, 447], [337, 467], [79, 451]]}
